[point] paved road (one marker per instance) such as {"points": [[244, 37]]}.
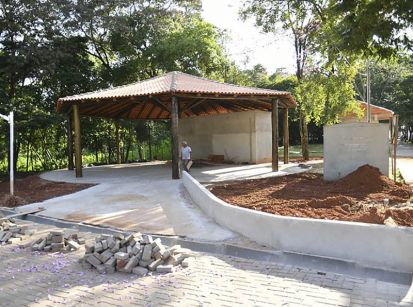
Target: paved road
{"points": [[38, 279]]}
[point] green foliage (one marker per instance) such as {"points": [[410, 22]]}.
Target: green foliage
{"points": [[392, 88], [328, 93], [371, 27], [189, 45], [54, 48]]}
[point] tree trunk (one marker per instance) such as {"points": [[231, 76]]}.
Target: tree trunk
{"points": [[31, 157], [117, 137], [150, 142], [70, 163], [27, 155], [126, 157], [304, 136], [286, 137], [140, 154], [96, 150]]}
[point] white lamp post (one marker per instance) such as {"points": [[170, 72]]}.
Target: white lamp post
{"points": [[10, 120]]}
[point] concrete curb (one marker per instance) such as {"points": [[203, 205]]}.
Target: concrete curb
{"points": [[365, 244]]}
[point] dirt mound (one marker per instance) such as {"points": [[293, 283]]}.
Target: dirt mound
{"points": [[401, 216], [372, 216], [365, 179], [330, 201], [357, 197], [12, 201], [368, 179], [32, 189]]}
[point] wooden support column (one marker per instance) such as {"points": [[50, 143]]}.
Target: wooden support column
{"points": [[118, 161], [286, 137], [78, 147], [274, 124], [70, 164], [175, 141]]}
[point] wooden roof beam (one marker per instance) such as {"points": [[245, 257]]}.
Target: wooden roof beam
{"points": [[152, 109], [159, 103], [193, 104], [231, 107], [213, 106]]}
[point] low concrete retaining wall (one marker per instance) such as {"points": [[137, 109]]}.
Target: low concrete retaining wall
{"points": [[366, 244]]}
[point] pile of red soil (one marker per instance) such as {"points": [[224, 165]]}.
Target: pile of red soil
{"points": [[33, 189], [308, 195], [368, 179]]}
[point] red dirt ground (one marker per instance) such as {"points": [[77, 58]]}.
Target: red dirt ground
{"points": [[32, 189], [357, 197]]}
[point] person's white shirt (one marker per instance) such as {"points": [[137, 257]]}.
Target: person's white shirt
{"points": [[186, 153]]}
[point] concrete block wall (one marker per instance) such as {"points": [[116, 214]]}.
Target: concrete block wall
{"points": [[351, 145], [239, 136]]}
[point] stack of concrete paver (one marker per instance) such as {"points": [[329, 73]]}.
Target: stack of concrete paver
{"points": [[58, 241], [133, 253], [11, 233]]}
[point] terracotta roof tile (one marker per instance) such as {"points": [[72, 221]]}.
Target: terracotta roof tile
{"points": [[157, 85], [177, 82]]}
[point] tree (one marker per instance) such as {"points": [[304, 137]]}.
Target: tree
{"points": [[392, 87], [301, 19], [119, 33], [328, 92], [27, 30], [190, 45], [371, 27], [54, 48], [258, 76]]}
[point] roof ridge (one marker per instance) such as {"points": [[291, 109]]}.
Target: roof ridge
{"points": [[173, 81], [230, 84]]}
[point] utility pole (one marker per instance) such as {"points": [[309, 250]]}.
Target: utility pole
{"points": [[10, 120], [368, 92]]}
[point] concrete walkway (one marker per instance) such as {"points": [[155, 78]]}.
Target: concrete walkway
{"points": [[142, 197], [405, 162]]}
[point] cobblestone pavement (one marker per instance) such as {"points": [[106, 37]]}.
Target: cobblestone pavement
{"points": [[39, 279]]}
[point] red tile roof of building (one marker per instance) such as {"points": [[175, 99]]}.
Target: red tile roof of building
{"points": [[177, 82]]}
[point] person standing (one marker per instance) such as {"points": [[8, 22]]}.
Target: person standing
{"points": [[186, 155]]}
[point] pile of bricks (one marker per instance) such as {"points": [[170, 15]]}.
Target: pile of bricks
{"points": [[133, 253], [11, 233], [58, 241]]}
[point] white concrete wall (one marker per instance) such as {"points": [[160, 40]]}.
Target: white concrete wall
{"points": [[349, 146], [263, 130], [239, 136], [366, 244]]}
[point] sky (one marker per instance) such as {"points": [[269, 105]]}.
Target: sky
{"points": [[247, 45]]}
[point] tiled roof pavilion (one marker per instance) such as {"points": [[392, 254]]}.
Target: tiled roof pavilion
{"points": [[172, 96], [151, 98]]}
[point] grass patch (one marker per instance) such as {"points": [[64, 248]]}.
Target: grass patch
{"points": [[316, 150]]}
